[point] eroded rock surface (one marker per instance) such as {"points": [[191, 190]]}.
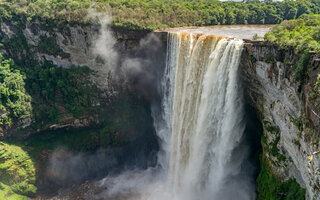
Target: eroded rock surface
{"points": [[283, 107]]}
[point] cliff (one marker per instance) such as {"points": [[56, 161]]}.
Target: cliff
{"points": [[78, 45], [92, 110], [288, 113]]}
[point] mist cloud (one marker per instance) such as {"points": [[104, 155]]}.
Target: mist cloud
{"points": [[66, 167], [104, 45], [140, 69]]}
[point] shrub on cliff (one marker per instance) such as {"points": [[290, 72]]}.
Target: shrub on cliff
{"points": [[14, 100], [17, 173], [59, 91], [270, 187]]}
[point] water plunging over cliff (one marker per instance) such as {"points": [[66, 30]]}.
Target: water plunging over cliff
{"points": [[203, 155], [201, 126]]}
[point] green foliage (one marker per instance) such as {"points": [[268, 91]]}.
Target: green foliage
{"points": [[313, 96], [155, 14], [270, 58], [124, 115], [15, 102], [274, 151], [316, 87], [270, 187], [301, 66], [272, 147], [17, 43], [302, 34], [252, 59], [48, 45], [50, 86], [53, 87], [17, 171], [297, 122], [7, 193], [296, 142], [56, 92], [88, 139]]}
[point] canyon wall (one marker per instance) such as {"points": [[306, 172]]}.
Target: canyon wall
{"points": [[116, 124], [290, 118], [66, 45]]}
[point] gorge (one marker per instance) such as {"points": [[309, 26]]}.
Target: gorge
{"points": [[189, 120], [201, 123]]}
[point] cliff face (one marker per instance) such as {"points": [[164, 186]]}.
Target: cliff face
{"points": [[289, 117], [76, 42], [117, 117], [77, 45]]}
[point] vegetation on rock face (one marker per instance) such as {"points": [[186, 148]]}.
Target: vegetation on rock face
{"points": [[270, 187], [15, 102], [53, 87], [49, 86], [52, 90], [127, 121], [302, 34], [48, 45], [59, 96], [299, 51], [311, 130], [155, 14], [124, 119], [315, 96], [317, 87], [303, 37], [270, 145], [17, 173]]}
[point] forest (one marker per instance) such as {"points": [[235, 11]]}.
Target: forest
{"points": [[303, 34], [157, 14]]}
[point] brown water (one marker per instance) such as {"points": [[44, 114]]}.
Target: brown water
{"points": [[232, 31]]}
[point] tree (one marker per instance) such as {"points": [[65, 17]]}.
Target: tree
{"points": [[14, 100]]}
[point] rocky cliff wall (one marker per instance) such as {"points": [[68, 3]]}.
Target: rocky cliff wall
{"points": [[77, 42], [83, 45], [118, 117], [289, 117]]}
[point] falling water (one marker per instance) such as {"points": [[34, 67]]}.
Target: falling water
{"points": [[203, 153], [201, 125]]}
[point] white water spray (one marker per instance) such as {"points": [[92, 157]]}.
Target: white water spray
{"points": [[201, 125], [203, 111]]}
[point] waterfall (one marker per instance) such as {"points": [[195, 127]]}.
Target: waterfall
{"points": [[203, 155], [201, 126]]}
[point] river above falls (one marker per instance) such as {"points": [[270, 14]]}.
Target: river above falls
{"points": [[232, 31]]}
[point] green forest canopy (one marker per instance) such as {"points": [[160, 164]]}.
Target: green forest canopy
{"points": [[155, 14], [302, 34]]}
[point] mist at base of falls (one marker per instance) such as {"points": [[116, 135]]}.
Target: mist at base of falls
{"points": [[202, 127]]}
